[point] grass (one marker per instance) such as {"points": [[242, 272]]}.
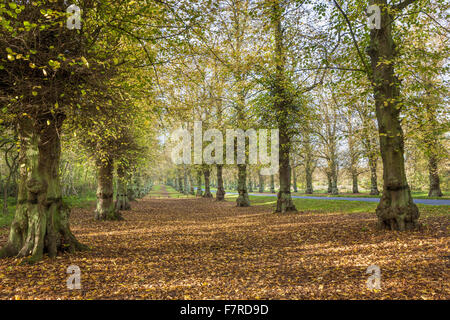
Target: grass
{"points": [[5, 220], [323, 193], [175, 194], [169, 191], [339, 206], [415, 195]]}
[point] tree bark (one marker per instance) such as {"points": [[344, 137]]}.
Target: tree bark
{"points": [[355, 182], [396, 210], [373, 177], [206, 174], [220, 194], [41, 220], [330, 183], [242, 199], [105, 192], [435, 185], [261, 183], [272, 183], [284, 200], [282, 106], [308, 174]]}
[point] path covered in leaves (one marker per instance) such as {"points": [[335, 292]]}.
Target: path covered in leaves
{"points": [[201, 249]]}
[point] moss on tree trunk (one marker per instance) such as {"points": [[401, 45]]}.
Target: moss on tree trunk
{"points": [[41, 220], [396, 210]]}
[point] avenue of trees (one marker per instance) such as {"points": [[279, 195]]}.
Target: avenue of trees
{"points": [[93, 108]]}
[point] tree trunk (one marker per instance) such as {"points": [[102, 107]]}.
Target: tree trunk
{"points": [[105, 192], [294, 178], [330, 183], [242, 199], [284, 200], [180, 184], [435, 186], [261, 183], [131, 188], [191, 183], [334, 179], [41, 220], [206, 174], [122, 202], [272, 183], [355, 182], [308, 174], [373, 177], [220, 194], [250, 182], [283, 108], [396, 210], [185, 181], [199, 184]]}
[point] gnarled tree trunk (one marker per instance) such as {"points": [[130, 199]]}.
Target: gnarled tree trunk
{"points": [[396, 210], [41, 221]]}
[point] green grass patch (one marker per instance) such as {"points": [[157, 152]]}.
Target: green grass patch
{"points": [[340, 206], [415, 195], [175, 194]]}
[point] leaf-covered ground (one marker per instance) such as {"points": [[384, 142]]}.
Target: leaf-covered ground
{"points": [[200, 249]]}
